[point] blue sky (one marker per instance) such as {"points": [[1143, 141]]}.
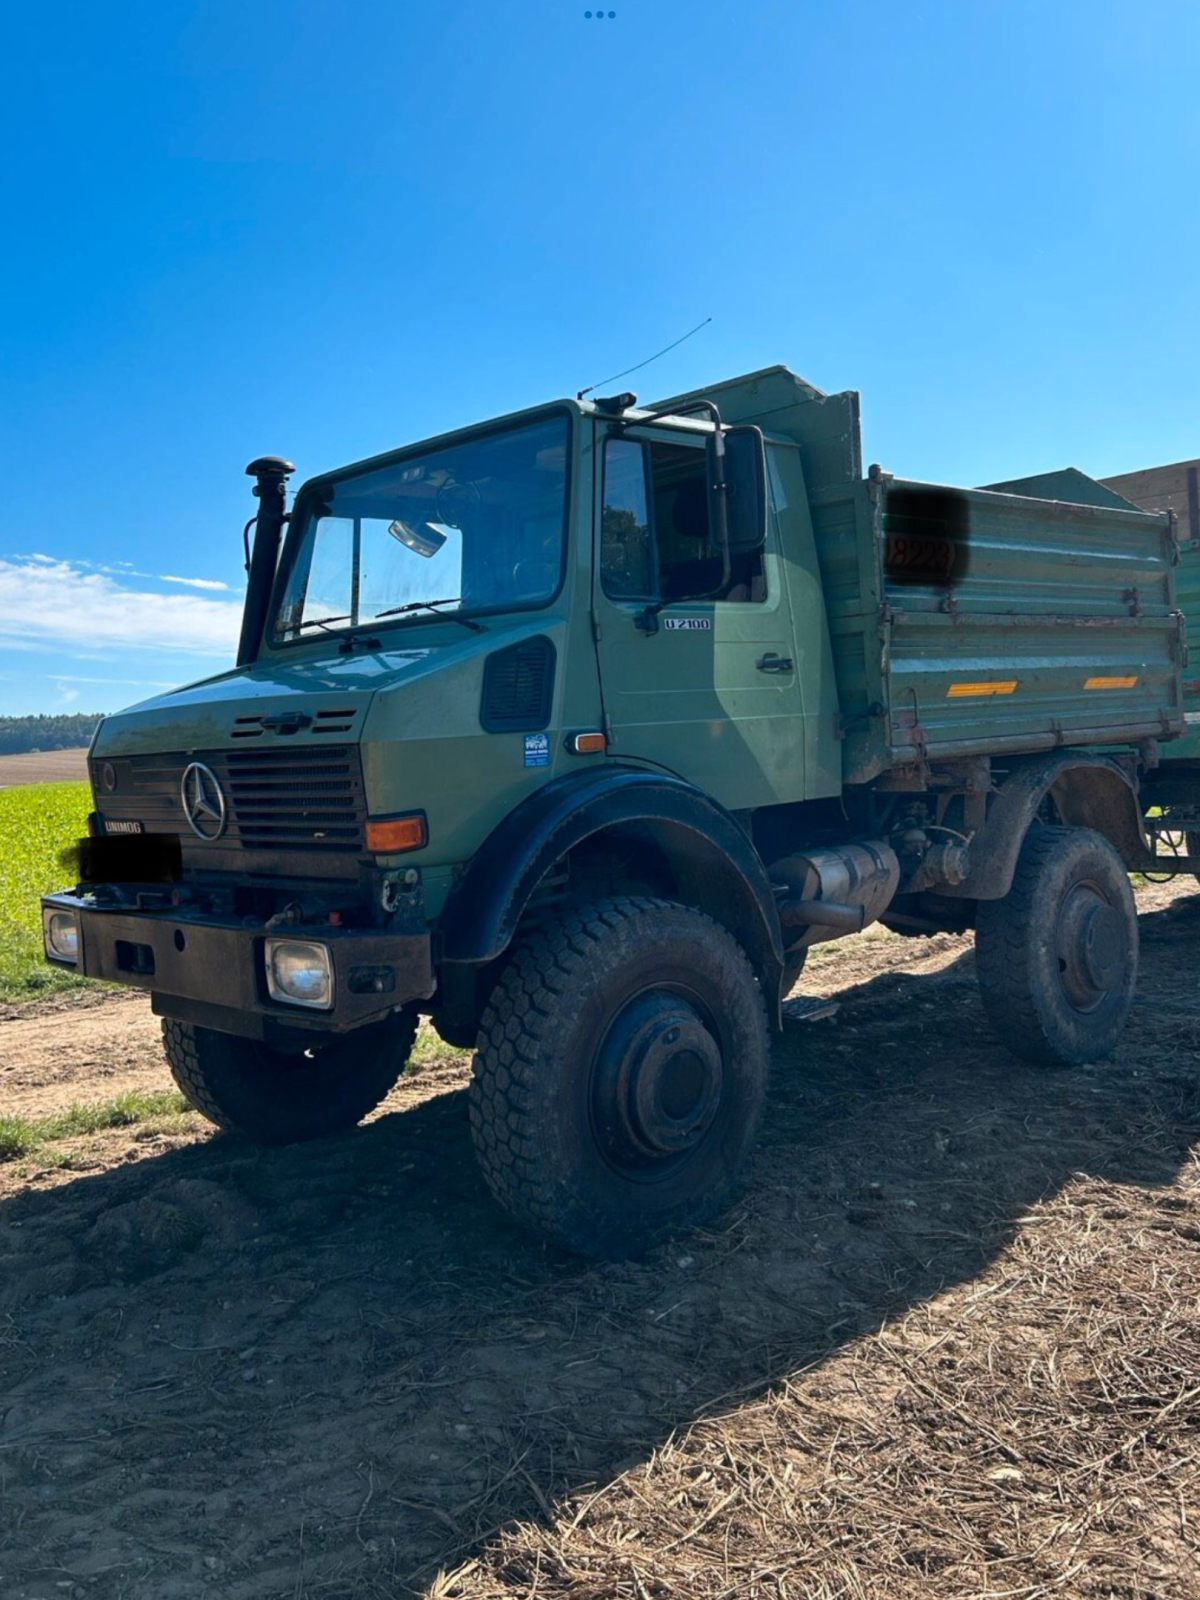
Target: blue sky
{"points": [[324, 230]]}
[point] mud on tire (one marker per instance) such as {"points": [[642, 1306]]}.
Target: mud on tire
{"points": [[282, 1097], [1057, 957], [619, 1075]]}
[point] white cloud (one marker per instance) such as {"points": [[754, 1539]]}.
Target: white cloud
{"points": [[120, 569], [143, 683], [193, 583], [46, 600]]}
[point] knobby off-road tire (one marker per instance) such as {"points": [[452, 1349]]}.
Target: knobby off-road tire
{"points": [[281, 1097], [1057, 957], [619, 1075]]}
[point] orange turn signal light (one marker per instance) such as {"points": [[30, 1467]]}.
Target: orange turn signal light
{"points": [[394, 834], [586, 744]]}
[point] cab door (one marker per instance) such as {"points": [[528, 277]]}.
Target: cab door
{"points": [[698, 674]]}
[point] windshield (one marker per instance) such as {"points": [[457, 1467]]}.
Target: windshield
{"points": [[477, 526]]}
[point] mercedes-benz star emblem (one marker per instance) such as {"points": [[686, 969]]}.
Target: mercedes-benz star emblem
{"points": [[203, 802]]}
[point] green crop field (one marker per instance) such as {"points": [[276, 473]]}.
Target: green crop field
{"points": [[37, 823]]}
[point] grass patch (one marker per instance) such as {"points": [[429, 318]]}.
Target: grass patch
{"points": [[37, 823], [23, 1136], [429, 1046]]}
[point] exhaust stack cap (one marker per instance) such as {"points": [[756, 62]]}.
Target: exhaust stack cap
{"points": [[270, 467]]}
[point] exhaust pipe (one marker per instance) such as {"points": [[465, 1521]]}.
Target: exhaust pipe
{"points": [[840, 889], [270, 474], [823, 914]]}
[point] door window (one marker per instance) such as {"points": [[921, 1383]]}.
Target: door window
{"points": [[655, 539]]}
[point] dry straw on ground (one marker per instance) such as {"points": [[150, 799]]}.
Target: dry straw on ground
{"points": [[1031, 1434]]}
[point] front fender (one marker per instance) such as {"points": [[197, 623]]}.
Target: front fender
{"points": [[713, 861]]}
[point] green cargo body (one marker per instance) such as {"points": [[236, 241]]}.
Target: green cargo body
{"points": [[1061, 629], [1056, 623]]}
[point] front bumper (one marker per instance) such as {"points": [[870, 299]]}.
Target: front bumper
{"points": [[207, 971]]}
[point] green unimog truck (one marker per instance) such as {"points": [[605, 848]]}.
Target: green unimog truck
{"points": [[575, 730]]}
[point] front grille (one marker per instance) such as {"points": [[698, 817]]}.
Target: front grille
{"points": [[309, 800], [288, 797]]}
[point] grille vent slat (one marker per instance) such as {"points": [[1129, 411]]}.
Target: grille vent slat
{"points": [[336, 720]]}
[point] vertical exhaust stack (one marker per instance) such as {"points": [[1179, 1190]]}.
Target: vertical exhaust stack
{"points": [[270, 474]]}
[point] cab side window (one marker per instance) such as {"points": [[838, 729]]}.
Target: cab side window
{"points": [[655, 539]]}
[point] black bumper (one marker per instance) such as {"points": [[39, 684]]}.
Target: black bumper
{"points": [[202, 970]]}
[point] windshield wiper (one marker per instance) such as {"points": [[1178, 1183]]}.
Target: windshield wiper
{"points": [[432, 605], [323, 622], [349, 640]]}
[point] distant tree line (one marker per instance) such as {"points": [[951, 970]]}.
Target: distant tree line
{"points": [[19, 734]]}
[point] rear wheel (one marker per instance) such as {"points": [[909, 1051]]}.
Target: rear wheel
{"points": [[283, 1097], [620, 1075], [1057, 957]]}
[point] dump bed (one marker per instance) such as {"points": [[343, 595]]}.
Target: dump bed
{"points": [[988, 623], [976, 621]]}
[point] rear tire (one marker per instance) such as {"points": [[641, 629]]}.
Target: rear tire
{"points": [[620, 1075], [284, 1097], [1057, 957]]}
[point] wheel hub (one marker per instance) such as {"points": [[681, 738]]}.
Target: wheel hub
{"points": [[657, 1082], [1092, 946]]}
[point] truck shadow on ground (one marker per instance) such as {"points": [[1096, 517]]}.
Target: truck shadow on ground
{"points": [[336, 1369]]}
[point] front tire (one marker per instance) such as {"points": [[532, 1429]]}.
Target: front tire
{"points": [[620, 1075], [274, 1096], [1057, 957]]}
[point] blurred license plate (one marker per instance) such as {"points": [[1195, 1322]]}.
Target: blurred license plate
{"points": [[143, 858]]}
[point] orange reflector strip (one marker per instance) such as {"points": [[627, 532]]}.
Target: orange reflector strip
{"points": [[1111, 683], [586, 744], [962, 691], [398, 833]]}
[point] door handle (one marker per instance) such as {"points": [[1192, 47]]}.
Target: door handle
{"points": [[773, 663]]}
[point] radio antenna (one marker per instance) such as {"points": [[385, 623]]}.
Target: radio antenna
{"points": [[642, 364]]}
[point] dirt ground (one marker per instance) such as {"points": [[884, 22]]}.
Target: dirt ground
{"points": [[947, 1343], [44, 766]]}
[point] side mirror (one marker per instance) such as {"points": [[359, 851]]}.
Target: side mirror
{"points": [[745, 490], [737, 477]]}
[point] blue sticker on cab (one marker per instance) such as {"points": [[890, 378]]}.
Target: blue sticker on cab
{"points": [[537, 749]]}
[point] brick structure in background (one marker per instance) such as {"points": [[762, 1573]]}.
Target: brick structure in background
{"points": [[1175, 487]]}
